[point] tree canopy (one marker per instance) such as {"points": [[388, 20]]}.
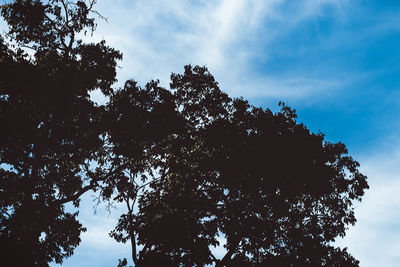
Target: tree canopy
{"points": [[190, 163], [278, 193], [51, 130]]}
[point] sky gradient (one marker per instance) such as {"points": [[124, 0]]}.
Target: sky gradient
{"points": [[335, 61]]}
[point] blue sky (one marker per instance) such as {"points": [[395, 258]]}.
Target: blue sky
{"points": [[337, 62]]}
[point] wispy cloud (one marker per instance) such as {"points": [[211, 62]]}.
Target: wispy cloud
{"points": [[97, 248], [160, 37]]}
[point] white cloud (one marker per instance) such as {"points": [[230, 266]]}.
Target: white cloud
{"points": [[160, 37], [97, 248]]}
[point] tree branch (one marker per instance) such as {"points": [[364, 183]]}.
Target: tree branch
{"points": [[91, 186]]}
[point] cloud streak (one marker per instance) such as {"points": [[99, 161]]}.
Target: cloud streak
{"points": [[160, 37]]}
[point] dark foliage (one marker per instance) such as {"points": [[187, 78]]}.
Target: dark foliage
{"points": [[190, 163], [51, 130], [278, 193]]}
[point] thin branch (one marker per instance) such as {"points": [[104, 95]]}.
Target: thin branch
{"points": [[91, 186], [5, 212], [71, 31], [131, 230], [144, 185], [29, 47], [143, 251], [66, 13], [90, 9], [61, 33]]}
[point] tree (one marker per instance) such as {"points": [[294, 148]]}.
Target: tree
{"points": [[51, 134], [278, 193], [190, 163]]}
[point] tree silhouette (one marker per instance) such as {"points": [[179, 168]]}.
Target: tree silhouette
{"points": [[278, 193], [51, 130], [190, 163]]}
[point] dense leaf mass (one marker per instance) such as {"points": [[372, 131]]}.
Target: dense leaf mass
{"points": [[191, 164], [278, 193], [51, 130]]}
